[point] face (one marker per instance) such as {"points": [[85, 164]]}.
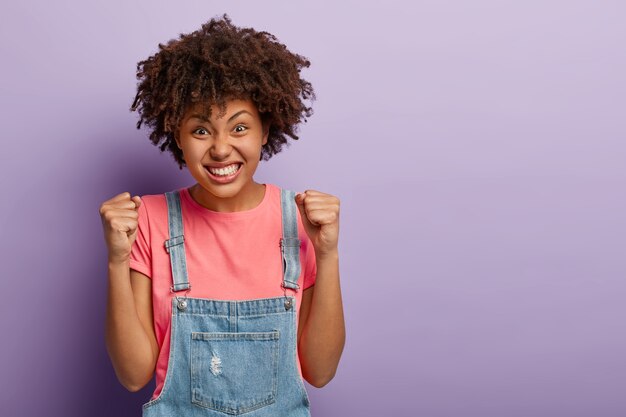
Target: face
{"points": [[223, 154]]}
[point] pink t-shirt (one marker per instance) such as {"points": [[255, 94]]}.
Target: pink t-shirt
{"points": [[230, 256]]}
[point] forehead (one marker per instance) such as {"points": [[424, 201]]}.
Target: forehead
{"points": [[233, 106]]}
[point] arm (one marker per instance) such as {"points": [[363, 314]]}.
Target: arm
{"points": [[130, 337], [321, 328], [129, 333], [321, 335]]}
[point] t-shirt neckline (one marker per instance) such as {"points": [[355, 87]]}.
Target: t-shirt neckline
{"points": [[232, 215]]}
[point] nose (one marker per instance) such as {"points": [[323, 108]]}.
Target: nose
{"points": [[220, 148]]}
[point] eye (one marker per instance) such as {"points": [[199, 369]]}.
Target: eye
{"points": [[243, 128], [200, 131]]}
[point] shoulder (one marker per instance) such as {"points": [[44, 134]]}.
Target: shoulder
{"points": [[153, 203], [154, 206], [283, 199], [152, 199], [290, 195], [278, 192], [158, 201]]}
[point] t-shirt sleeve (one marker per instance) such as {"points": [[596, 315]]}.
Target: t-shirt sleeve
{"points": [[140, 253], [310, 267]]}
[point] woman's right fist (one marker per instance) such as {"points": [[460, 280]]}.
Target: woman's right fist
{"points": [[119, 221]]}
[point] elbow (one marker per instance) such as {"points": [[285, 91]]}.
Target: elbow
{"points": [[133, 386], [134, 369], [133, 378], [319, 381]]}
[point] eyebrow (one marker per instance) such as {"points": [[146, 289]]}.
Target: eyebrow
{"points": [[206, 119]]}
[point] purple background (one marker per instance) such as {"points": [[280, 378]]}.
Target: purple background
{"points": [[478, 149]]}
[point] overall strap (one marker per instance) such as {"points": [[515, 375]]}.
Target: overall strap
{"points": [[174, 245], [289, 243]]}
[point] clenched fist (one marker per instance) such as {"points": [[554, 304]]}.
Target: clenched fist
{"points": [[320, 217], [119, 220]]}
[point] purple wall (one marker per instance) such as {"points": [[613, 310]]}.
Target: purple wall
{"points": [[478, 149]]}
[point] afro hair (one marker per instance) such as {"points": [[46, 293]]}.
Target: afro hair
{"points": [[217, 63]]}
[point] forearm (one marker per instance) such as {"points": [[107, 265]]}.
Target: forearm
{"points": [[129, 346], [323, 335]]}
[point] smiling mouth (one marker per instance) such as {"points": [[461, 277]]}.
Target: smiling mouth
{"points": [[225, 171]]}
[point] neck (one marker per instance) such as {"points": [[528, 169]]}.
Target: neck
{"points": [[247, 199]]}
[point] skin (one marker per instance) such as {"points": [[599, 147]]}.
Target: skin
{"points": [[236, 137]]}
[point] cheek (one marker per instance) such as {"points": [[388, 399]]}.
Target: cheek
{"points": [[193, 151]]}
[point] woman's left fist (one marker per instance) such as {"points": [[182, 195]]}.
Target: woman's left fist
{"points": [[320, 217]]}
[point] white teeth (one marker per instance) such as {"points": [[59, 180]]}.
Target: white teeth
{"points": [[229, 170]]}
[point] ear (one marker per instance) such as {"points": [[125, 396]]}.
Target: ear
{"points": [[177, 138], [266, 132]]}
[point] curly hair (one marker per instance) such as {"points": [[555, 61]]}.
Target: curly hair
{"points": [[217, 63]]}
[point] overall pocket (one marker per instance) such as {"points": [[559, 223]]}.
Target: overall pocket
{"points": [[234, 372]]}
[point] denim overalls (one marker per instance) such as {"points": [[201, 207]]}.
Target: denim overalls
{"points": [[232, 357]]}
